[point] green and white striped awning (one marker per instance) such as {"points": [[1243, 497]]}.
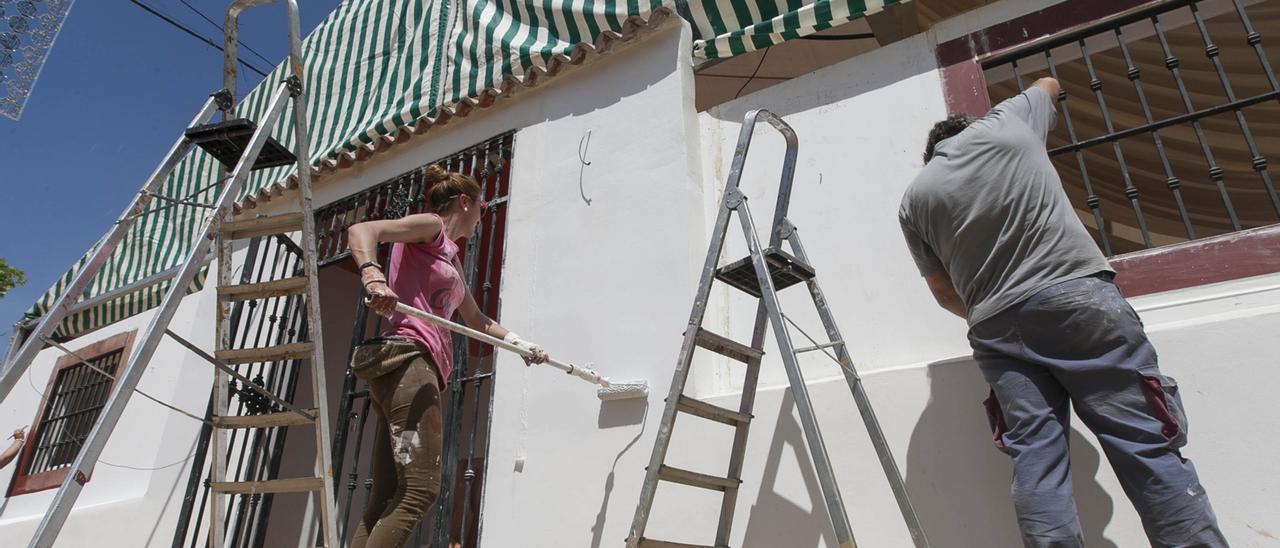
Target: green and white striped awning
{"points": [[724, 28], [380, 71]]}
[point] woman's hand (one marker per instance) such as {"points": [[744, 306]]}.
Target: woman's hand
{"points": [[381, 298], [538, 354]]}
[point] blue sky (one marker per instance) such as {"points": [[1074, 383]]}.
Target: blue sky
{"points": [[116, 90]]}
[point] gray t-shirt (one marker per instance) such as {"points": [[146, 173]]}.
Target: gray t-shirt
{"points": [[989, 209]]}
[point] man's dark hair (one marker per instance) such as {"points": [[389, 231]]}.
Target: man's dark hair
{"points": [[945, 129]]}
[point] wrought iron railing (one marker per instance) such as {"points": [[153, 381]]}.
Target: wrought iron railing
{"points": [[252, 454], [1176, 169]]}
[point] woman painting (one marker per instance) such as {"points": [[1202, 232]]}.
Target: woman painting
{"points": [[408, 365]]}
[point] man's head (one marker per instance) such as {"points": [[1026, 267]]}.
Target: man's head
{"points": [[945, 129]]}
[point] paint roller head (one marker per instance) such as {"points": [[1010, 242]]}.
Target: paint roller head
{"points": [[623, 391]]}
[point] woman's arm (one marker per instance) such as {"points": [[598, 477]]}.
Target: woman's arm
{"points": [[363, 239], [475, 319], [19, 438]]}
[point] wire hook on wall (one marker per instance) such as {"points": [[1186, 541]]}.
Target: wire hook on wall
{"points": [[583, 145]]}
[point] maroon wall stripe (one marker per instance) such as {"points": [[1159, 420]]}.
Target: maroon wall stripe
{"points": [[1210, 260]]}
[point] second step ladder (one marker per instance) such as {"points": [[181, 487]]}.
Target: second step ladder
{"points": [[764, 272]]}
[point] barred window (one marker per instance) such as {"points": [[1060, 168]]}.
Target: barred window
{"points": [[1165, 119], [76, 394]]}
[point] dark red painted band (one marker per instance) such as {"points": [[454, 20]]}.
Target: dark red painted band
{"points": [[1210, 260]]}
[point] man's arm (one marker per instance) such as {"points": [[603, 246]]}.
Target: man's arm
{"points": [[1050, 86], [945, 293], [1036, 107]]}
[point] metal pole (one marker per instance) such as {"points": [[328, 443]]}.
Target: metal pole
{"points": [[584, 373]]}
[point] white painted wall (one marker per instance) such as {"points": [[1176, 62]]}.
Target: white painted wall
{"points": [[609, 282]]}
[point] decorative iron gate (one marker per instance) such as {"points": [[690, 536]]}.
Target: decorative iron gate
{"points": [[454, 522], [252, 454]]}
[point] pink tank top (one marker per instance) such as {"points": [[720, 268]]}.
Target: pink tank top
{"points": [[424, 277]]}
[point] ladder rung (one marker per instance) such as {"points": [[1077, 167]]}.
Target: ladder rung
{"points": [[262, 226], [268, 420], [651, 543], [263, 290], [712, 412], [727, 347], [705, 481], [291, 485], [292, 351]]}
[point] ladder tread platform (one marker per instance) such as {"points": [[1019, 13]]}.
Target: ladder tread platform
{"points": [[227, 141], [784, 268], [291, 351], [266, 420], [696, 479], [289, 485], [262, 290]]}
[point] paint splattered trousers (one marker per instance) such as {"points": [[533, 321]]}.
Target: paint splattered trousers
{"points": [[1079, 344], [405, 390]]}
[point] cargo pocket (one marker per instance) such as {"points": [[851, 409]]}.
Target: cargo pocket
{"points": [[378, 357], [995, 418], [1166, 404]]}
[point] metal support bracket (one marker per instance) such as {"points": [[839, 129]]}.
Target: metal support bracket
{"points": [[294, 84], [225, 99], [734, 198], [785, 229]]}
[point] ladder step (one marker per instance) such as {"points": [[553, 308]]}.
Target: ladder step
{"points": [[712, 412], [727, 347], [262, 290], [705, 481], [785, 270], [268, 420], [292, 351], [291, 485], [262, 226], [651, 543]]}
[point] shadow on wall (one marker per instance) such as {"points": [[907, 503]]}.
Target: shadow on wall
{"points": [[835, 84], [614, 414], [774, 519], [959, 481]]}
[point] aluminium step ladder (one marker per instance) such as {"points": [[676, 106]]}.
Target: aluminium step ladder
{"points": [[243, 146], [762, 274]]}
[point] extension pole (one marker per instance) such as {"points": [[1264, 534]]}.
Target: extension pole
{"points": [[584, 373]]}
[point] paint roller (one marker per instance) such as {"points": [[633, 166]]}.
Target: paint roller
{"points": [[608, 390]]}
